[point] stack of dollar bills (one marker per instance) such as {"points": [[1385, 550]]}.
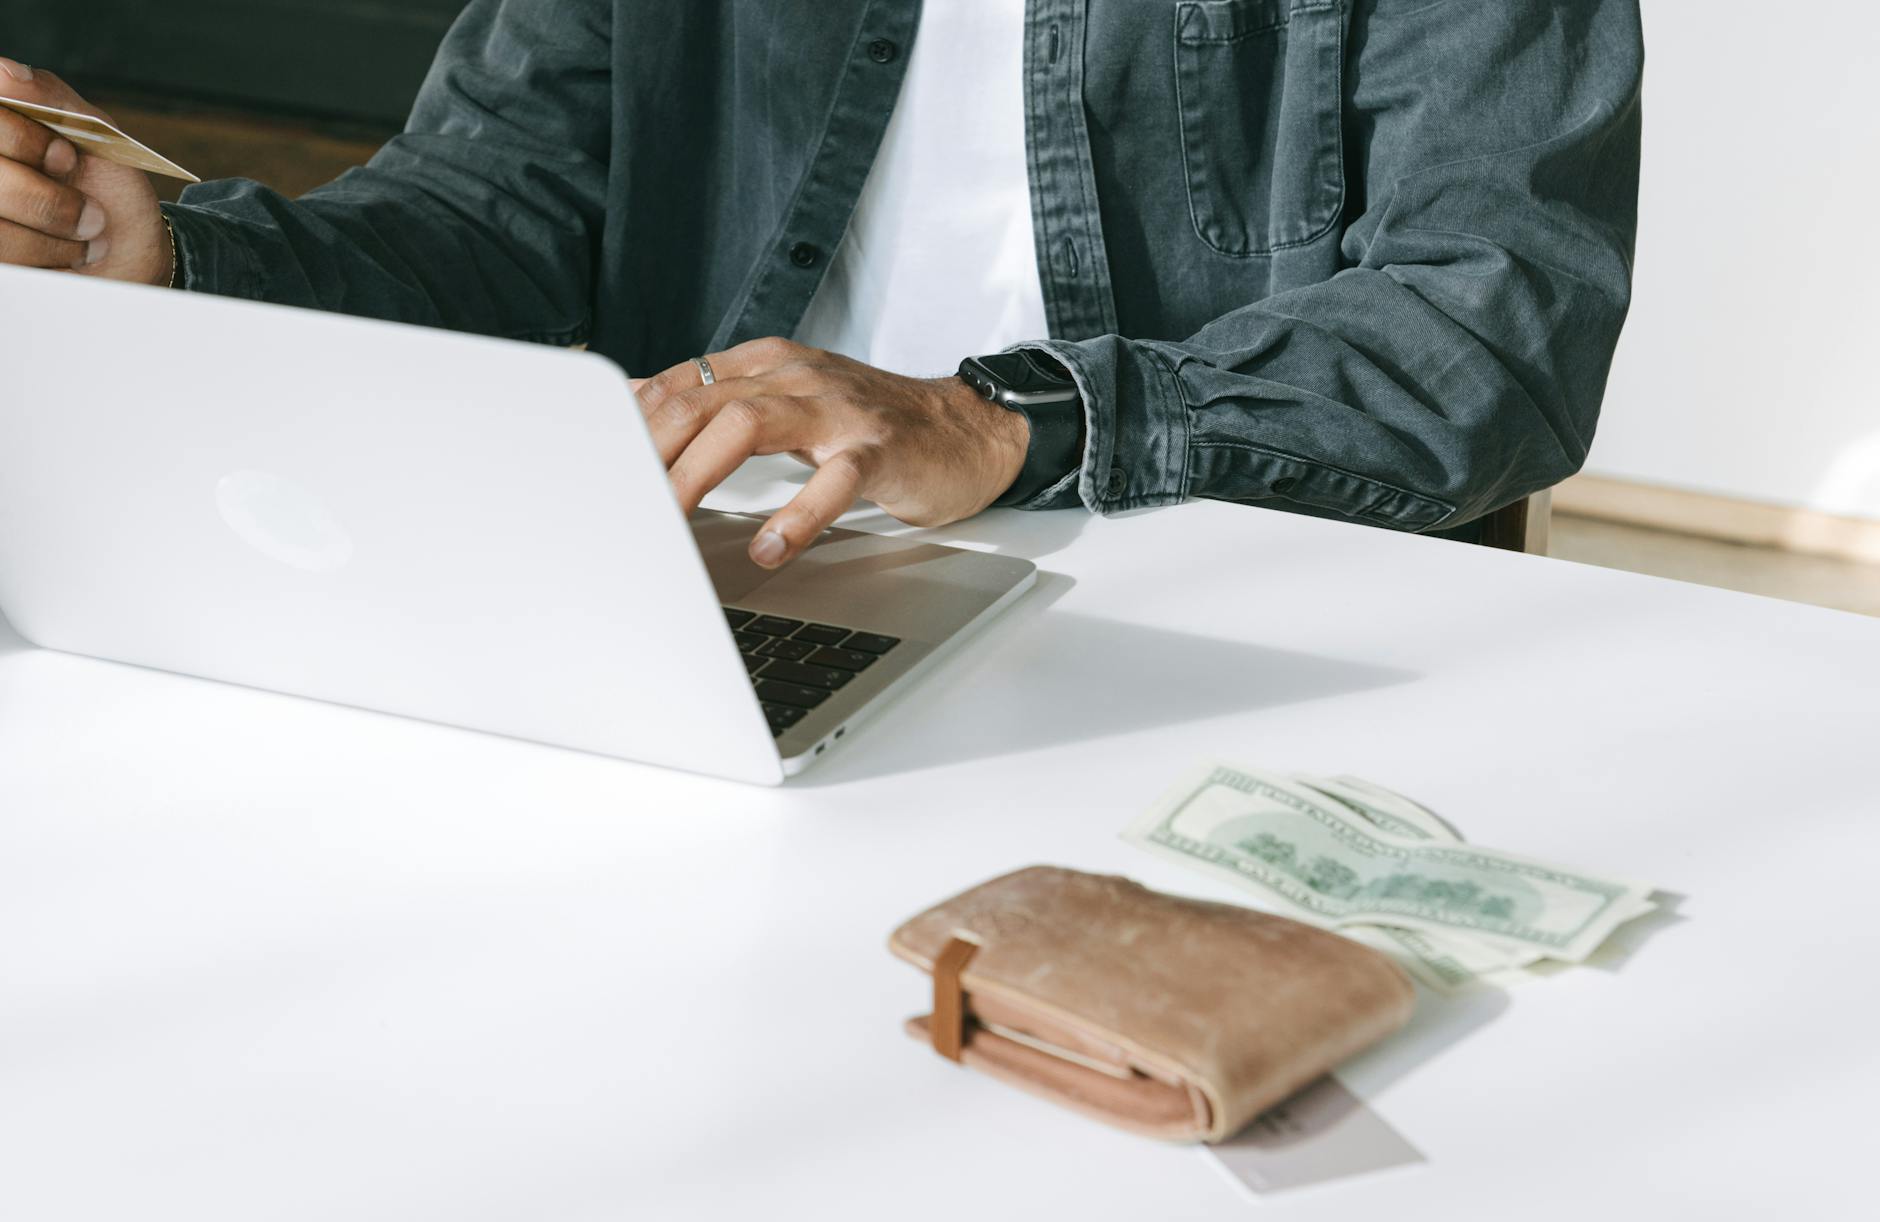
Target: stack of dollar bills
{"points": [[1377, 867]]}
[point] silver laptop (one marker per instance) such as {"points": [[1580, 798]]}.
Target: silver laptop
{"points": [[447, 527]]}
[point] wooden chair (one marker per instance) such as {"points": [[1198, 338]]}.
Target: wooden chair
{"points": [[1520, 527]]}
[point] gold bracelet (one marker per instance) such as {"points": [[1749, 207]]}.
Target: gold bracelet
{"points": [[176, 259]]}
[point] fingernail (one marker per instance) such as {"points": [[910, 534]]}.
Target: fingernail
{"points": [[61, 158], [768, 548], [90, 221], [98, 251], [15, 69]]}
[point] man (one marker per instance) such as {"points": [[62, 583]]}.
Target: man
{"points": [[1359, 258]]}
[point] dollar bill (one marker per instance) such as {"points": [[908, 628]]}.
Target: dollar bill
{"points": [[1450, 964], [1390, 811], [1317, 857], [1445, 962]]}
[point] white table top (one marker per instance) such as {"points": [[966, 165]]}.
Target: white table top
{"points": [[263, 958]]}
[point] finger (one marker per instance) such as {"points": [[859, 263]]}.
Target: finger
{"points": [[32, 144], [654, 391], [827, 496], [61, 156], [745, 360], [23, 247], [29, 198], [743, 427], [47, 89], [677, 422]]}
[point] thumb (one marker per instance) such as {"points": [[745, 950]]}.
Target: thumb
{"points": [[28, 84]]}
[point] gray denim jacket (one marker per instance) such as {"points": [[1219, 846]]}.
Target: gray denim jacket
{"points": [[1358, 258]]}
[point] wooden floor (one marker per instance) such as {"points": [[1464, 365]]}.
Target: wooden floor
{"points": [[1841, 584], [294, 157]]}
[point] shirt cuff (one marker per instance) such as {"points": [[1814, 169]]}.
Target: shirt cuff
{"points": [[1135, 427], [208, 258]]}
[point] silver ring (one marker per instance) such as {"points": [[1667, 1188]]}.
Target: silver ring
{"points": [[705, 370]]}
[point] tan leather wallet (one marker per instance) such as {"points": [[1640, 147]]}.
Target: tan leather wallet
{"points": [[1171, 1017]]}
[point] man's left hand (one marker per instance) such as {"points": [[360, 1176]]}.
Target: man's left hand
{"points": [[929, 451]]}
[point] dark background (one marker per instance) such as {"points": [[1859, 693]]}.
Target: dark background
{"points": [[347, 60]]}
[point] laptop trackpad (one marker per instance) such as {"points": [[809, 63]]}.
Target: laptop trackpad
{"points": [[921, 590], [724, 540]]}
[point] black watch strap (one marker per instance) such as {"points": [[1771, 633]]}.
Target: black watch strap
{"points": [[1054, 451], [1056, 445]]}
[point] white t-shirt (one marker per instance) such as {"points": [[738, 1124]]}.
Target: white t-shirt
{"points": [[939, 263]]}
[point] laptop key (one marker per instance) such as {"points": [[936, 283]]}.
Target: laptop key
{"points": [[748, 641], [821, 634], [773, 692], [808, 676], [782, 716], [774, 625], [869, 642], [737, 618], [842, 659], [789, 650], [752, 663]]}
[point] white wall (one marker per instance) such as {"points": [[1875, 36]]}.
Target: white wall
{"points": [[1750, 366]]}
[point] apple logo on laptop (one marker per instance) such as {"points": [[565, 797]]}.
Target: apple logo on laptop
{"points": [[283, 521]]}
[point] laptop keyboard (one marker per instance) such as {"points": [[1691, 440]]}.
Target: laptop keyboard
{"points": [[795, 664]]}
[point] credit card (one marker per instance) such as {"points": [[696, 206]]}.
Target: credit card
{"points": [[99, 138]]}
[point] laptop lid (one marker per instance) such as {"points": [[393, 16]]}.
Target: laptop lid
{"points": [[459, 529]]}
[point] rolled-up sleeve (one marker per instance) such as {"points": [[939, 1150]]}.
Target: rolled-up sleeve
{"points": [[1458, 360], [484, 215]]}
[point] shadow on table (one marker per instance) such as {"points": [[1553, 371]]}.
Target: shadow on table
{"points": [[1439, 1022], [1078, 678], [1442, 1021], [1326, 1132], [11, 641]]}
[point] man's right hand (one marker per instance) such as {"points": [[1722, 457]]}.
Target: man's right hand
{"points": [[62, 210]]}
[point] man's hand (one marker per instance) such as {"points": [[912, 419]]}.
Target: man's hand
{"points": [[60, 209], [927, 451]]}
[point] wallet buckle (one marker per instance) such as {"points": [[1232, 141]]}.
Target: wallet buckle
{"points": [[948, 1023]]}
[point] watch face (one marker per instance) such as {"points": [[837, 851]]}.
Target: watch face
{"points": [[1020, 371]]}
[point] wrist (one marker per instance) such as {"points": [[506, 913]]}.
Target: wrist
{"points": [[1014, 433], [1006, 434], [1031, 385]]}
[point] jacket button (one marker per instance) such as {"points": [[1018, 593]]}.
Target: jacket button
{"points": [[1284, 484], [882, 51], [1118, 483], [805, 254]]}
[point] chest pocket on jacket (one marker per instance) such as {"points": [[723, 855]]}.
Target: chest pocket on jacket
{"points": [[1259, 87]]}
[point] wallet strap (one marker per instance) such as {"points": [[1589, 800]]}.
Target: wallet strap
{"points": [[949, 998]]}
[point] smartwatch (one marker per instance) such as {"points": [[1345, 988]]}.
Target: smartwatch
{"points": [[1032, 384]]}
